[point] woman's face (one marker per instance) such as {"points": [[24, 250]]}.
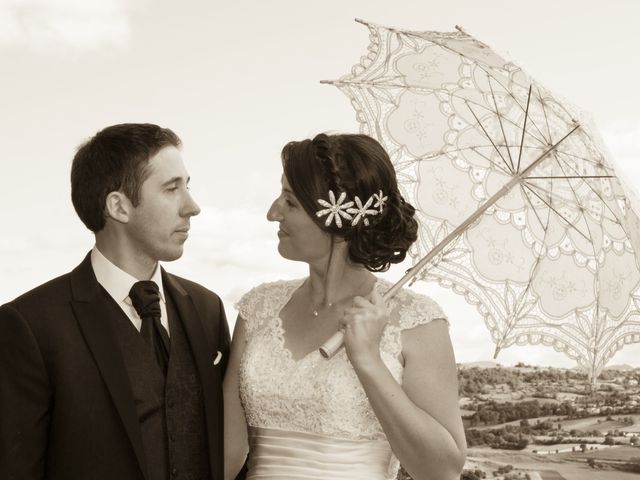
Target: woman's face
{"points": [[300, 238]]}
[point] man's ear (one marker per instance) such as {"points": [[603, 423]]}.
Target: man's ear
{"points": [[118, 207]]}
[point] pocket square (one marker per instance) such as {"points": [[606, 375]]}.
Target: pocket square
{"points": [[216, 361]]}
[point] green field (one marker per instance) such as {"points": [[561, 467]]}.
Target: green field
{"points": [[621, 453], [567, 466]]}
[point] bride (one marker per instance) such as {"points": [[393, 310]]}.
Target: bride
{"points": [[390, 396]]}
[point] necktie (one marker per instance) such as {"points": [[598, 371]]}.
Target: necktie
{"points": [[145, 297]]}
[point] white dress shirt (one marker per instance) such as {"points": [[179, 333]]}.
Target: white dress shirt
{"points": [[118, 283]]}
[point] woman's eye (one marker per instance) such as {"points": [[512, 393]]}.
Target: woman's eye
{"points": [[290, 203]]}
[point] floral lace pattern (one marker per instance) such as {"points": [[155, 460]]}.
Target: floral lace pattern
{"points": [[313, 394]]}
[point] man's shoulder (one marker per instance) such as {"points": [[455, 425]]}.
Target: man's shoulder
{"points": [[55, 290], [193, 288]]}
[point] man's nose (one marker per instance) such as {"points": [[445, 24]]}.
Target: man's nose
{"points": [[191, 208]]}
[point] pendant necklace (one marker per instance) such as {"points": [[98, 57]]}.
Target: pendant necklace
{"points": [[315, 311]]}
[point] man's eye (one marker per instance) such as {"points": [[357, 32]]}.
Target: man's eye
{"points": [[172, 189]]}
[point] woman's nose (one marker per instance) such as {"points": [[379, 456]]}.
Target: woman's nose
{"points": [[274, 214]]}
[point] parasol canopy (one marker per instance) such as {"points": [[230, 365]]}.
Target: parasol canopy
{"points": [[519, 205]]}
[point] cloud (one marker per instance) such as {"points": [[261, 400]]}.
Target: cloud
{"points": [[63, 25], [623, 140]]}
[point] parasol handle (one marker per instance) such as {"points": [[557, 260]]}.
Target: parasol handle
{"points": [[329, 348]]}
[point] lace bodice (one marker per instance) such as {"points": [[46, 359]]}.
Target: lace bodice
{"points": [[313, 394]]}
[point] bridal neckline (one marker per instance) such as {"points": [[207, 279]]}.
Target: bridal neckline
{"points": [[292, 288]]}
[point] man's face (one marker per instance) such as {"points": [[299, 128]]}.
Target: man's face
{"points": [[159, 225]]}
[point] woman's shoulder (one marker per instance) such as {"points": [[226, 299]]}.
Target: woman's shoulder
{"points": [[267, 287], [264, 295], [410, 308]]}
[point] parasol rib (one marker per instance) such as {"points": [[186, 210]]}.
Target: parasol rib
{"points": [[504, 135], [524, 127], [567, 221], [488, 136]]}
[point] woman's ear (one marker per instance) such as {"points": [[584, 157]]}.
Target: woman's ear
{"points": [[337, 240], [118, 207]]}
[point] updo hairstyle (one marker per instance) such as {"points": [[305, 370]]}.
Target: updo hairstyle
{"points": [[359, 166]]}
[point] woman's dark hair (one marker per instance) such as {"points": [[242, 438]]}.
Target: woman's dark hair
{"points": [[359, 166], [114, 159]]}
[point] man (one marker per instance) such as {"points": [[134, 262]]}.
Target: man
{"points": [[114, 370]]}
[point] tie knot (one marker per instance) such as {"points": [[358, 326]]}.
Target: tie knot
{"points": [[145, 297]]}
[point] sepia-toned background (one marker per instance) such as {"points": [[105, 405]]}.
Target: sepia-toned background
{"points": [[237, 80]]}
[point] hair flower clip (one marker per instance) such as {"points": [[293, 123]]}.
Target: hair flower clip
{"points": [[362, 211], [380, 199], [335, 209]]}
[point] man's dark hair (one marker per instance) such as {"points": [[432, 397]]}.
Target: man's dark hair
{"points": [[115, 159]]}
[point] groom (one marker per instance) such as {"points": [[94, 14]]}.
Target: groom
{"points": [[114, 370]]}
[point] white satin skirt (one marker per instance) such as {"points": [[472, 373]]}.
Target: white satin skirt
{"points": [[280, 454]]}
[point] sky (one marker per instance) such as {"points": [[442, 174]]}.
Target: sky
{"points": [[237, 80]]}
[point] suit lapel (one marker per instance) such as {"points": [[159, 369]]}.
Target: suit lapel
{"points": [[202, 347], [90, 308]]}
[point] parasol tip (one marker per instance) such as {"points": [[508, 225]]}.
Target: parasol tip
{"points": [[496, 352], [460, 29], [359, 20]]}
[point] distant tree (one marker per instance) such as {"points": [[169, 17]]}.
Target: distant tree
{"points": [[635, 440], [633, 466], [583, 447], [591, 462], [608, 440], [504, 469], [473, 475]]}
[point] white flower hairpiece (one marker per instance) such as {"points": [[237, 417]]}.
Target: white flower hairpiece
{"points": [[380, 199], [336, 210]]}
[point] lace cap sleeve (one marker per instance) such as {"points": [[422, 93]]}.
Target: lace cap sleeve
{"points": [[249, 306], [261, 303], [417, 309], [408, 310]]}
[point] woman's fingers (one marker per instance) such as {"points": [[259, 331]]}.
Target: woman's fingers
{"points": [[359, 301], [377, 299]]}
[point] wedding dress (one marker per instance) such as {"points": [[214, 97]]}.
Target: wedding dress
{"points": [[310, 418]]}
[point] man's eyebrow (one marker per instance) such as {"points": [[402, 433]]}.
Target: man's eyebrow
{"points": [[175, 180]]}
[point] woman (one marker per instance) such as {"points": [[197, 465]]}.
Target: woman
{"points": [[390, 396]]}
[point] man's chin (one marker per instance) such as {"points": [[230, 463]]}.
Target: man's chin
{"points": [[171, 255]]}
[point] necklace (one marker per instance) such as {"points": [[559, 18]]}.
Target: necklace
{"points": [[315, 310]]}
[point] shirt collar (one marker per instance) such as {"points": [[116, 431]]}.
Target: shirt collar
{"points": [[116, 281]]}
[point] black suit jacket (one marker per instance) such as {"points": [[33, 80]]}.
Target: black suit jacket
{"points": [[66, 406]]}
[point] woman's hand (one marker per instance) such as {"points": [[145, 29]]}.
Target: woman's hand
{"points": [[363, 324]]}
